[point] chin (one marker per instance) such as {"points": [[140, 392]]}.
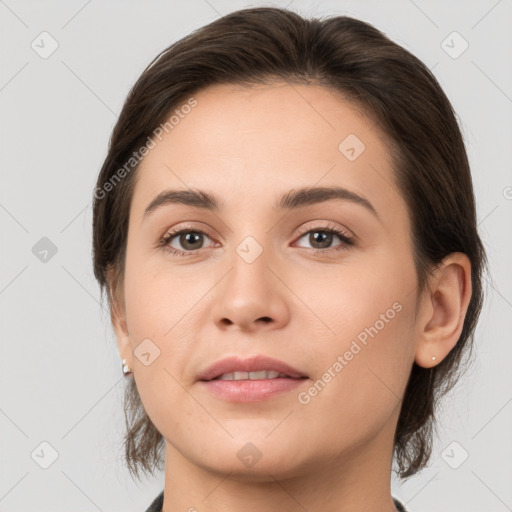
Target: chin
{"points": [[253, 462]]}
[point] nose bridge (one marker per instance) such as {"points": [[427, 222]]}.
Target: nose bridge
{"points": [[250, 291], [249, 262]]}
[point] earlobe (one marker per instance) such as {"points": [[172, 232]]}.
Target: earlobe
{"points": [[446, 301]]}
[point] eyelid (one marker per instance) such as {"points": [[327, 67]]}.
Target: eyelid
{"points": [[325, 225], [174, 231]]}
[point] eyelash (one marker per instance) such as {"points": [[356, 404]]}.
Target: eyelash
{"points": [[346, 240]]}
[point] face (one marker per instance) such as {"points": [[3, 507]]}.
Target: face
{"points": [[324, 283]]}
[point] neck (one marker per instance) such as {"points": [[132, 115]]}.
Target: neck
{"points": [[354, 481]]}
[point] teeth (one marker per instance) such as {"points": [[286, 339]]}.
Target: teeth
{"points": [[264, 374]]}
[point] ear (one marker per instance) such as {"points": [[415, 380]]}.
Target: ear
{"points": [[443, 310], [118, 316]]}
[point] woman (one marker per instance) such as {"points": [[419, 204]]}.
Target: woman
{"points": [[285, 226]]}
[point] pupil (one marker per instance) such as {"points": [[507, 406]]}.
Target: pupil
{"points": [[189, 238], [327, 237]]}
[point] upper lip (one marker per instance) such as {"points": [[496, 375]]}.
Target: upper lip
{"points": [[252, 364]]}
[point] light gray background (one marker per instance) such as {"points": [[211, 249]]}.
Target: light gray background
{"points": [[60, 373]]}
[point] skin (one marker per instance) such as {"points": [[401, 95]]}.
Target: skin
{"points": [[248, 146]]}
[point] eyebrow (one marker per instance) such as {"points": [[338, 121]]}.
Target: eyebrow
{"points": [[291, 200]]}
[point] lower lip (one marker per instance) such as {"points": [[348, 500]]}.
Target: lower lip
{"points": [[251, 390]]}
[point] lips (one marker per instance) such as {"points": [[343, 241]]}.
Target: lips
{"points": [[253, 364]]}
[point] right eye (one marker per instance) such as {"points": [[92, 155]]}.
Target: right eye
{"points": [[189, 239]]}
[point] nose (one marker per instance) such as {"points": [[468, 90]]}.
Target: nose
{"points": [[251, 296]]}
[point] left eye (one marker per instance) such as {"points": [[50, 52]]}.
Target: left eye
{"points": [[322, 238]]}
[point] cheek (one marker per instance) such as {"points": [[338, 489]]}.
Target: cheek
{"points": [[364, 346], [360, 376], [366, 297], [157, 298]]}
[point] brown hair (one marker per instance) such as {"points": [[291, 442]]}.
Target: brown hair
{"points": [[263, 45]]}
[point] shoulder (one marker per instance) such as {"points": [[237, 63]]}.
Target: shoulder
{"points": [[399, 506], [156, 505]]}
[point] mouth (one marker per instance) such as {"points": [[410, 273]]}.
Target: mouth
{"points": [[250, 380], [259, 375], [258, 367]]}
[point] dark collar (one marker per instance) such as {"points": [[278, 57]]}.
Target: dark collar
{"points": [[158, 502]]}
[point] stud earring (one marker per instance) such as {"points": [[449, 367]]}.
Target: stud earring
{"points": [[433, 358], [126, 369]]}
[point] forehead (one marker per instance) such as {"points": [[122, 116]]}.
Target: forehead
{"points": [[247, 119], [243, 142]]}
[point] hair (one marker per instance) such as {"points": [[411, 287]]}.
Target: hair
{"points": [[393, 87]]}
